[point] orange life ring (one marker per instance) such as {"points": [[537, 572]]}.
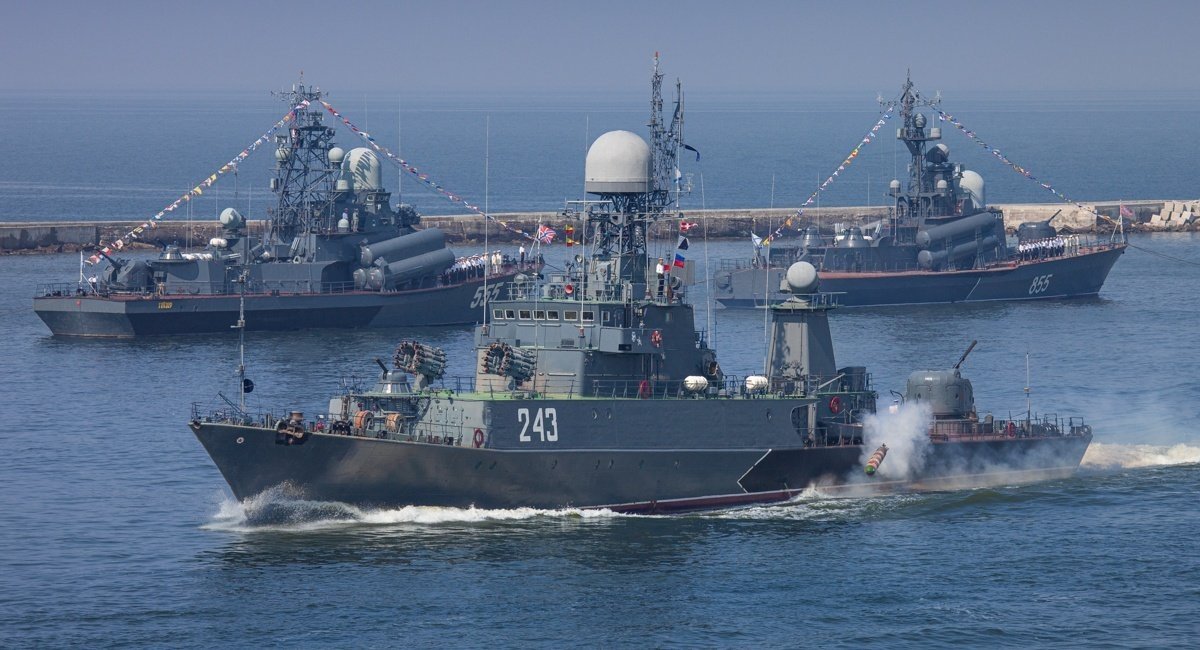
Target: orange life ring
{"points": [[656, 338], [835, 405], [644, 389], [569, 289], [478, 438]]}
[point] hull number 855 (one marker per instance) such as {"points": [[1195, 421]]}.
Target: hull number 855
{"points": [[1040, 284], [544, 425]]}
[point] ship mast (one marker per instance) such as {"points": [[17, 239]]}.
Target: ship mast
{"points": [[923, 197], [304, 177], [619, 222]]}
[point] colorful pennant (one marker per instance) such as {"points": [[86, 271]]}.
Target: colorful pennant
{"points": [[118, 244], [423, 177], [829, 180], [946, 117]]}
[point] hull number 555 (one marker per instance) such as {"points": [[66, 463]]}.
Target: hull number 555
{"points": [[544, 425]]}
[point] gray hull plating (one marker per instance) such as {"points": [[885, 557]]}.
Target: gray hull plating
{"points": [[1064, 277], [125, 317], [387, 473]]}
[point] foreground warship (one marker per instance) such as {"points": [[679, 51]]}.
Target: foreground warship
{"points": [[941, 243], [335, 254], [593, 388]]}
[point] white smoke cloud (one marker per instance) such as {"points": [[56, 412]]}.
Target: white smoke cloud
{"points": [[906, 434]]}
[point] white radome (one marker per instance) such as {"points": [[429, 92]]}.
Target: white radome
{"points": [[971, 184], [618, 162], [802, 277], [364, 169]]}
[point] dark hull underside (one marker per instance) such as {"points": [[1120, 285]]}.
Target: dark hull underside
{"points": [[1064, 277], [130, 316], [383, 473]]}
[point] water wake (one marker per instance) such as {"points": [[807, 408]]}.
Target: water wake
{"points": [[1114, 456], [281, 509]]}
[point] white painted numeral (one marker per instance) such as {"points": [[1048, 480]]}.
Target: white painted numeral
{"points": [[1040, 284], [545, 425], [523, 418], [492, 293]]}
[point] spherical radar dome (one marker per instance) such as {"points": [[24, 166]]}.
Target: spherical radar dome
{"points": [[618, 162], [363, 168], [802, 277], [971, 186]]}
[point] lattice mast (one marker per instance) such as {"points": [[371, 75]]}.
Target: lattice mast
{"points": [[304, 177], [618, 224]]}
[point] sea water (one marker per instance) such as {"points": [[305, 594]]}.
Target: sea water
{"points": [[118, 530]]}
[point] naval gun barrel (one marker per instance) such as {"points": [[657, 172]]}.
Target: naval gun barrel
{"points": [[876, 460], [964, 354]]}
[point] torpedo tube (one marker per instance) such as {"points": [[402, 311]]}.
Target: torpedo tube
{"points": [[876, 460]]}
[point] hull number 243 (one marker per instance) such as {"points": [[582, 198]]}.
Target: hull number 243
{"points": [[544, 425]]}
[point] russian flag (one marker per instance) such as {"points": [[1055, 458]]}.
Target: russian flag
{"points": [[678, 260]]}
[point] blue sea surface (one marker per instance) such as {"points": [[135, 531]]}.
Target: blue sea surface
{"points": [[118, 530]]}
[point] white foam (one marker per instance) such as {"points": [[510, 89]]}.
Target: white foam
{"points": [[1114, 456], [278, 510]]}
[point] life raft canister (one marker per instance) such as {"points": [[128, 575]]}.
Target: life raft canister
{"points": [[362, 419], [478, 438], [835, 405]]}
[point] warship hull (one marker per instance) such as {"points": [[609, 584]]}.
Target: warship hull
{"points": [[372, 472], [1075, 276], [127, 316]]}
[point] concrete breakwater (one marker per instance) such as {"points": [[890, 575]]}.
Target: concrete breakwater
{"points": [[60, 236]]}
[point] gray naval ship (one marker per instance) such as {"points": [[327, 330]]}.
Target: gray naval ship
{"points": [[335, 253], [941, 243], [592, 388]]}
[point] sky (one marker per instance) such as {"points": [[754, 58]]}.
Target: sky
{"points": [[447, 47]]}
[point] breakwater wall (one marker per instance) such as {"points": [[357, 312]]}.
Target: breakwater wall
{"points": [[61, 236]]}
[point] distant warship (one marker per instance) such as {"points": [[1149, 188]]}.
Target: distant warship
{"points": [[940, 243], [591, 387], [335, 254]]}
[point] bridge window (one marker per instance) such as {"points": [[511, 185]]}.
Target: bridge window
{"points": [[589, 316], [498, 314], [524, 314], [510, 314], [539, 315], [552, 314], [572, 315]]}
